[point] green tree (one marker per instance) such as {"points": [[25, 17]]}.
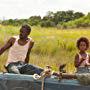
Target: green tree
{"points": [[34, 20]]}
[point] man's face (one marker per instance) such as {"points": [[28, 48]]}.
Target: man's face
{"points": [[23, 33]]}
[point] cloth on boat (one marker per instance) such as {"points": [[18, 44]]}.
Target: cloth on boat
{"points": [[83, 70], [83, 78]]}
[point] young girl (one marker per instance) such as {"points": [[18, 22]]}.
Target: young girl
{"points": [[82, 59]]}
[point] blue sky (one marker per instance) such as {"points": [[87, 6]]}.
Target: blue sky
{"points": [[26, 8]]}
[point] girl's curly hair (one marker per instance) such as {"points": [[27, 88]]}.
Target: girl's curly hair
{"points": [[83, 39]]}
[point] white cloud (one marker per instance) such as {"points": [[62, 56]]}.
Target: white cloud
{"points": [[40, 1], [27, 8]]}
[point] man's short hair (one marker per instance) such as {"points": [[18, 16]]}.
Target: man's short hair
{"points": [[27, 27]]}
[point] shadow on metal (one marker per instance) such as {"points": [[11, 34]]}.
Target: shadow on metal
{"points": [[26, 82]]}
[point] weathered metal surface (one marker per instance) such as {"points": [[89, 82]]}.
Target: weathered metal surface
{"points": [[26, 82]]}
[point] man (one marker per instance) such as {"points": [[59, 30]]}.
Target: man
{"points": [[19, 50]]}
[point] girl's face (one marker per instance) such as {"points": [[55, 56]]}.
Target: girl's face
{"points": [[82, 46]]}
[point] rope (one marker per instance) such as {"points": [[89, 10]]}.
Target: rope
{"points": [[46, 73], [42, 78], [42, 86]]}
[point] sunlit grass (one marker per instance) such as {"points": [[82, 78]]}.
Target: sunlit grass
{"points": [[52, 46]]}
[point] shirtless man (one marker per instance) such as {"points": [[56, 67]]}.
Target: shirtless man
{"points": [[19, 50]]}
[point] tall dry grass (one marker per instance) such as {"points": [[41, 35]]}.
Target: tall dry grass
{"points": [[52, 46]]}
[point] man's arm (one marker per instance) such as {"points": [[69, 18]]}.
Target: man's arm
{"points": [[29, 50], [7, 45]]}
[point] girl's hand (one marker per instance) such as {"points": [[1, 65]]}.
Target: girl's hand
{"points": [[82, 59], [87, 64]]}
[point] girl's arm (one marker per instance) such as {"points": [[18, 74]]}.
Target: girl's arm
{"points": [[78, 62], [88, 63]]}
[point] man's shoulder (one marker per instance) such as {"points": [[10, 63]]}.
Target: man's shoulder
{"points": [[12, 39], [31, 40], [15, 37]]}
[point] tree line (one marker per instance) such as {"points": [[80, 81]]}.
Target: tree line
{"points": [[60, 19]]}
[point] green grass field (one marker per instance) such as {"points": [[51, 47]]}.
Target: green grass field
{"points": [[52, 46]]}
